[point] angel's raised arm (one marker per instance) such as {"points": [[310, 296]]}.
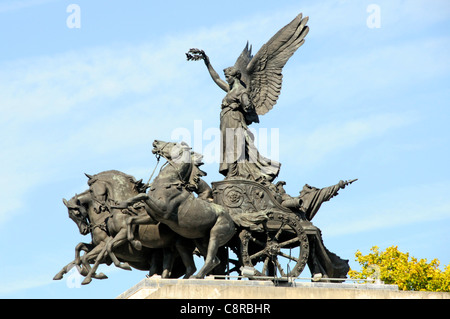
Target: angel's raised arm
{"points": [[196, 54], [221, 83]]}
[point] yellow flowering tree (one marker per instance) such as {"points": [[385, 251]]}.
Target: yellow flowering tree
{"points": [[394, 267]]}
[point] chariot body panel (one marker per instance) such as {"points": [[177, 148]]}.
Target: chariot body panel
{"points": [[273, 240]]}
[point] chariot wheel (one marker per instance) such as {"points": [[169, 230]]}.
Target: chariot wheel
{"points": [[280, 250]]}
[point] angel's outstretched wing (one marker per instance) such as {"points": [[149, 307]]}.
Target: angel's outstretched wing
{"points": [[242, 62], [262, 73]]}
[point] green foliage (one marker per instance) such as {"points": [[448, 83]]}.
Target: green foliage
{"points": [[394, 267]]}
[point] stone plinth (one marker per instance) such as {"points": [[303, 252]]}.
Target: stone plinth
{"points": [[157, 288]]}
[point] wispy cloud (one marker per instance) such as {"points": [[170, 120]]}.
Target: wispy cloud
{"points": [[18, 5], [102, 100], [427, 202], [337, 137], [94, 102], [8, 288], [67, 107]]}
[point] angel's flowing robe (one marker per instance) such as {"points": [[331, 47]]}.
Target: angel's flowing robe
{"points": [[239, 155]]}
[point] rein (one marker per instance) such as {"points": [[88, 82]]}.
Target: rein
{"points": [[157, 163], [102, 226]]}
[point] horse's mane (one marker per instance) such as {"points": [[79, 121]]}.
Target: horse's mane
{"points": [[196, 172], [108, 175], [112, 177]]}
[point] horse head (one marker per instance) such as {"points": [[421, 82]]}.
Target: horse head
{"points": [[176, 152], [178, 155], [78, 213], [100, 193]]}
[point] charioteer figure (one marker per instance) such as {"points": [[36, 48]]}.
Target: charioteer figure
{"points": [[311, 198], [321, 262]]}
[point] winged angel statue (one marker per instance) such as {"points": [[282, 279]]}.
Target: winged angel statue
{"points": [[253, 85]]}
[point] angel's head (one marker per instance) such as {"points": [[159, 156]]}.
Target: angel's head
{"points": [[231, 74]]}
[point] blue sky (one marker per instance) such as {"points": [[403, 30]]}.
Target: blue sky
{"points": [[357, 102]]}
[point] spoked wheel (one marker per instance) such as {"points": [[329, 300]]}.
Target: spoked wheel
{"points": [[281, 250]]}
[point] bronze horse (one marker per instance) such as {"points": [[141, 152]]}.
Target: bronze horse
{"points": [[92, 215], [80, 207], [108, 188], [171, 202]]}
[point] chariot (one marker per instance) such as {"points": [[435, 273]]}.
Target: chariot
{"points": [[272, 241], [270, 237]]}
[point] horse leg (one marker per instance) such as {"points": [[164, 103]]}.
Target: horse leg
{"points": [[209, 251], [64, 270], [86, 248], [185, 249], [100, 256], [85, 267], [222, 231], [168, 259], [75, 262], [118, 240], [154, 264], [129, 202], [82, 246], [131, 223], [131, 228]]}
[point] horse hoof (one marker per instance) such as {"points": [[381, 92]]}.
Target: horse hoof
{"points": [[86, 281], [58, 277], [83, 271], [216, 262], [189, 273], [101, 276], [125, 266], [137, 244]]}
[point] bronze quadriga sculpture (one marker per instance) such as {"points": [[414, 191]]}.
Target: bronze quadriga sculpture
{"points": [[148, 227]]}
